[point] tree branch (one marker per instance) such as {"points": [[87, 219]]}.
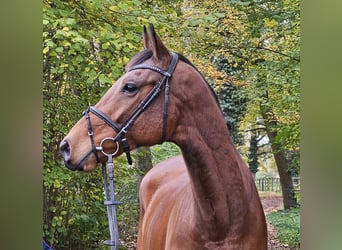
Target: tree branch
{"points": [[279, 53]]}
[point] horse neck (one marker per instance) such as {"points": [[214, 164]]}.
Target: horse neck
{"points": [[213, 164]]}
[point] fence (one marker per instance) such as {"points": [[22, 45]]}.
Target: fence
{"points": [[269, 184]]}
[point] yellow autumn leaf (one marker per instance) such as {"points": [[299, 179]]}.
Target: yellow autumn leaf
{"points": [[114, 8], [46, 50], [270, 23]]}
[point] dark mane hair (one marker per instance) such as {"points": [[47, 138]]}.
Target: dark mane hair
{"points": [[147, 54]]}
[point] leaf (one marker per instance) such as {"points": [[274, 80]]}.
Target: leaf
{"points": [[53, 209], [70, 21], [103, 78], [50, 43], [210, 18], [59, 49], [46, 50], [270, 23], [194, 22], [114, 8], [220, 15]]}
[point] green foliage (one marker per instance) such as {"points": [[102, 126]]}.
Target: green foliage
{"points": [[126, 189], [164, 151], [273, 30], [233, 102], [71, 211], [287, 223]]}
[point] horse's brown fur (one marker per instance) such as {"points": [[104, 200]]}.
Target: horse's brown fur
{"points": [[204, 200]]}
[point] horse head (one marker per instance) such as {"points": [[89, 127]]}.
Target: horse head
{"points": [[121, 110]]}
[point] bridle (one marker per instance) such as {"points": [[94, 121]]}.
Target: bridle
{"points": [[122, 129]]}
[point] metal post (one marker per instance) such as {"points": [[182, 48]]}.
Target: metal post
{"points": [[110, 202]]}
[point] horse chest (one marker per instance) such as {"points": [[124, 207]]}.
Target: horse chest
{"points": [[168, 212], [170, 227]]}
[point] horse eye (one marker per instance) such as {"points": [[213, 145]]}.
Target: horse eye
{"points": [[130, 89]]}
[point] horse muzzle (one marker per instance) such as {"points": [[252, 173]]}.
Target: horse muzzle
{"points": [[64, 149]]}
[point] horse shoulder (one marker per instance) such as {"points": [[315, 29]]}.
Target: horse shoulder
{"points": [[159, 176], [165, 200]]}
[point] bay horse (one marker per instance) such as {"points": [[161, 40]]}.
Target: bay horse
{"points": [[204, 199]]}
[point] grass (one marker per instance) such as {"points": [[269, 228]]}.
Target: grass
{"points": [[287, 223], [263, 194]]}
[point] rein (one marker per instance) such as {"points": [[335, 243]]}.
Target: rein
{"points": [[110, 201], [121, 131]]}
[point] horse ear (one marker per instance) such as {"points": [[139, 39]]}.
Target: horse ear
{"points": [[147, 42], [157, 46]]}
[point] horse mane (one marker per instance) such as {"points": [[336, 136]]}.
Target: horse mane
{"points": [[147, 54]]}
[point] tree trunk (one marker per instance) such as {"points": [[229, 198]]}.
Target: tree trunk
{"points": [[143, 162], [282, 163], [289, 199]]}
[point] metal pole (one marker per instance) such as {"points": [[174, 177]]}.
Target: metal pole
{"points": [[111, 203]]}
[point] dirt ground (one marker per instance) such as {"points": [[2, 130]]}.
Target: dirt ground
{"points": [[271, 203]]}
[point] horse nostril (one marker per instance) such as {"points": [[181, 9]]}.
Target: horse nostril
{"points": [[64, 148]]}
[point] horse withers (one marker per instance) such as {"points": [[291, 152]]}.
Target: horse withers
{"points": [[204, 199]]}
